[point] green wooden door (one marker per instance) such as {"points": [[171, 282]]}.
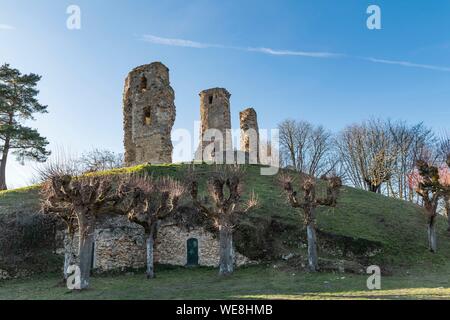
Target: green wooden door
{"points": [[192, 252]]}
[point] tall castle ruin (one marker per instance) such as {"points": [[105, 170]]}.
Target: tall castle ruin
{"points": [[215, 131], [149, 115], [250, 134]]}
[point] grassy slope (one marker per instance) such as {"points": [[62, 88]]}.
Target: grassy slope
{"points": [[20, 199], [397, 225]]}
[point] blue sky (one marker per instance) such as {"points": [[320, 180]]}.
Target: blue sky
{"points": [[307, 60]]}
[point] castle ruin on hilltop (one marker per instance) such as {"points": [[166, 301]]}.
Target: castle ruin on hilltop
{"points": [[215, 130], [149, 115], [250, 134]]}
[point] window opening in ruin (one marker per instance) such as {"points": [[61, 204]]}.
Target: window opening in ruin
{"points": [[147, 117], [143, 85], [247, 143], [210, 99]]}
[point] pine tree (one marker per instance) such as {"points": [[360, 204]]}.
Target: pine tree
{"points": [[18, 103]]}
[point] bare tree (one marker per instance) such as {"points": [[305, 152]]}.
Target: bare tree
{"points": [[225, 187], [368, 153], [291, 140], [319, 147], [308, 204], [443, 159], [444, 148], [148, 202], [61, 162], [305, 147], [86, 198], [411, 143], [101, 160]]}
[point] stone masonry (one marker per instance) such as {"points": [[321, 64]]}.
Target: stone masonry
{"points": [[215, 134], [149, 114], [172, 248], [250, 134], [120, 245]]}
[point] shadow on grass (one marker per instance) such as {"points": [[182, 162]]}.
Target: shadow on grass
{"points": [[249, 283]]}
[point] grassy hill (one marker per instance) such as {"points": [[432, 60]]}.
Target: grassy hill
{"points": [[364, 229]]}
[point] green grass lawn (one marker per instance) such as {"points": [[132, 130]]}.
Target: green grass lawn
{"points": [[256, 282]]}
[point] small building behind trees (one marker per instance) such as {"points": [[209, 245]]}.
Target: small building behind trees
{"points": [[120, 245]]}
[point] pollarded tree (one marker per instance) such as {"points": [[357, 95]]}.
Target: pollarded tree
{"points": [[60, 165], [148, 202], [18, 103], [444, 179], [225, 187], [308, 204], [444, 157], [447, 193], [86, 197], [430, 184], [64, 212]]}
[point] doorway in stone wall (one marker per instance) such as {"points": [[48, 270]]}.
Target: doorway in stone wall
{"points": [[192, 252]]}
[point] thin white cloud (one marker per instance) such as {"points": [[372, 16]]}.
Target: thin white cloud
{"points": [[408, 64], [269, 51], [6, 27], [200, 45], [311, 54], [176, 42]]}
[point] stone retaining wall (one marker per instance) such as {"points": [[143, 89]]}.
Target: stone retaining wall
{"points": [[120, 245]]}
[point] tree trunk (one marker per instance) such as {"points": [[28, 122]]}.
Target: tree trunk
{"points": [[86, 225], [374, 187], [3, 166], [294, 161], [432, 235], [68, 253], [312, 247], [226, 252], [150, 251], [447, 210]]}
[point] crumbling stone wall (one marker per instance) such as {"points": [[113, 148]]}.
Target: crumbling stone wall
{"points": [[172, 247], [120, 245], [149, 114], [250, 134], [215, 124]]}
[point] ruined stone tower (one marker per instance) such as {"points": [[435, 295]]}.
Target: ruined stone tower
{"points": [[149, 115], [215, 131], [250, 134]]}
